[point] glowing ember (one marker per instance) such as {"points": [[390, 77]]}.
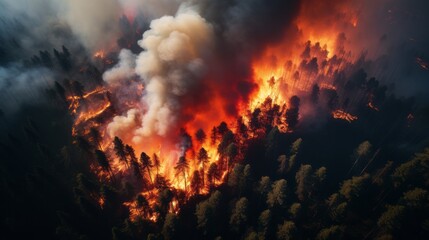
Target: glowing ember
{"points": [[83, 117], [100, 54], [343, 115], [101, 202], [424, 65], [373, 107]]}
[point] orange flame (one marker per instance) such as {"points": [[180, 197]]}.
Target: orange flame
{"points": [[280, 71], [343, 115]]}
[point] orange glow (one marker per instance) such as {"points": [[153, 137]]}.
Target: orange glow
{"points": [[373, 107], [101, 202], [424, 65], [100, 54], [83, 117], [343, 115], [95, 91], [282, 70], [354, 21]]}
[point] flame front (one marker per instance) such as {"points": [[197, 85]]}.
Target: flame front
{"points": [[199, 154]]}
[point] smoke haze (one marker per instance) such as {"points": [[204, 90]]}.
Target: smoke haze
{"points": [[204, 49]]}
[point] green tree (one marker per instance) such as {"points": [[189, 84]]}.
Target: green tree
{"points": [[392, 218], [265, 224], [304, 182], [118, 234], [213, 174], [334, 200], [352, 188], [320, 175], [170, 227], [252, 235], [231, 154], [238, 219], [296, 146], [153, 236], [286, 231], [295, 210], [380, 176], [333, 232], [234, 178], [360, 152], [227, 139], [283, 164], [272, 144], [264, 186], [417, 198], [338, 212], [277, 196], [415, 171], [207, 213], [245, 180]]}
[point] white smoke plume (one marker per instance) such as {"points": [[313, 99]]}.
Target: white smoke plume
{"points": [[123, 126], [92, 21], [171, 65], [123, 70], [151, 9]]}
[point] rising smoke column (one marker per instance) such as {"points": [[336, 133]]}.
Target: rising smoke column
{"points": [[196, 66], [171, 66]]}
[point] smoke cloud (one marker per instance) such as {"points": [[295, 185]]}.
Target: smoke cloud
{"points": [[204, 53], [19, 86], [170, 66], [123, 70], [92, 21]]}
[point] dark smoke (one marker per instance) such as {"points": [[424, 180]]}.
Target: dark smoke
{"points": [[242, 29]]}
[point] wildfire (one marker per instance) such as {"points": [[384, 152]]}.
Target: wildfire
{"points": [[83, 117], [99, 90], [100, 54], [328, 86], [194, 165], [354, 21], [101, 202], [343, 115], [372, 106]]}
